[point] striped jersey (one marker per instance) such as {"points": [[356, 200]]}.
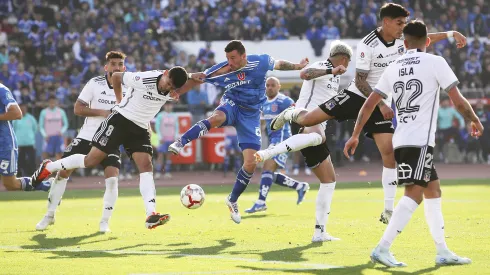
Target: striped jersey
{"points": [[97, 94], [8, 141], [143, 101], [373, 55], [316, 91], [414, 80]]}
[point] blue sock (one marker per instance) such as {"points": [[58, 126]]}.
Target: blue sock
{"points": [[199, 129], [158, 168], [26, 185], [286, 181], [242, 180], [226, 163], [265, 184], [295, 166], [168, 165]]}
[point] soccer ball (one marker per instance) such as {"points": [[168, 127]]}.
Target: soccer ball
{"points": [[192, 196]]}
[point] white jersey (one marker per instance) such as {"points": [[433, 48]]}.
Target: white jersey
{"points": [[415, 79], [373, 55], [97, 94], [143, 100], [316, 91]]}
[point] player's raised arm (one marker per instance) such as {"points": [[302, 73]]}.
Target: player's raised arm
{"points": [[438, 36], [312, 73], [195, 79], [283, 65], [117, 81]]}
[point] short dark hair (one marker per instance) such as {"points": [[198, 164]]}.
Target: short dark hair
{"points": [[392, 10], [52, 97], [235, 45], [114, 54], [415, 32], [178, 76]]}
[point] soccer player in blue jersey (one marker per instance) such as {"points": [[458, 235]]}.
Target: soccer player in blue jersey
{"points": [[243, 78], [275, 104], [9, 110]]}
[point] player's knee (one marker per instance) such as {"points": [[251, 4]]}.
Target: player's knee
{"points": [[249, 166], [217, 119], [64, 174], [90, 162]]}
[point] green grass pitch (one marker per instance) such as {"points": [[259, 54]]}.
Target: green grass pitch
{"points": [[206, 241]]}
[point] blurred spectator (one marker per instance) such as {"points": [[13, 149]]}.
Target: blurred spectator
{"points": [[25, 129], [317, 39], [252, 21], [368, 18], [278, 32], [53, 123], [446, 125], [331, 32]]}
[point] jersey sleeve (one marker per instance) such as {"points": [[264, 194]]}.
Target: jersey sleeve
{"points": [[87, 93], [363, 57], [7, 98], [383, 87], [445, 75], [267, 62], [287, 103]]}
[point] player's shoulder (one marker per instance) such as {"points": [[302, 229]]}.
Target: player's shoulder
{"points": [[99, 80], [149, 75], [4, 89], [283, 98], [370, 40], [258, 58]]}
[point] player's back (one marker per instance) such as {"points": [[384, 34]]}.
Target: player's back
{"points": [[8, 140], [271, 109], [246, 86], [415, 79]]}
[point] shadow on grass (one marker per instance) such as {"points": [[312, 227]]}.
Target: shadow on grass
{"points": [[356, 269]]}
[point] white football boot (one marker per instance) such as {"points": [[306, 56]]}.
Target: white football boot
{"points": [[234, 213], [385, 257], [45, 222], [449, 258]]}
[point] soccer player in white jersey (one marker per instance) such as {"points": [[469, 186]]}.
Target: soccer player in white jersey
{"points": [[128, 124], [321, 83], [374, 53], [414, 80], [94, 102]]}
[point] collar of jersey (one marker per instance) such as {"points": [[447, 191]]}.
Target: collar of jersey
{"points": [[108, 84], [271, 100], [210, 73], [387, 44]]}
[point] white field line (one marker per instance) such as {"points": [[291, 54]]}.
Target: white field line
{"points": [[147, 252]]}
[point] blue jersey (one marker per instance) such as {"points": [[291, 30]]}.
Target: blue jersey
{"points": [[246, 86], [8, 141], [272, 108]]}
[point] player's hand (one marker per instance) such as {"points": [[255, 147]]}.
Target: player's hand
{"points": [[304, 62], [386, 111], [199, 77], [476, 129], [175, 95], [351, 146], [460, 39], [339, 70]]}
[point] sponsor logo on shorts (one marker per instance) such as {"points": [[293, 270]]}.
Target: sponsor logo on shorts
{"points": [[330, 104], [103, 141]]}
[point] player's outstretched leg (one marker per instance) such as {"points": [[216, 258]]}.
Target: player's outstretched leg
{"points": [[242, 180], [292, 144], [12, 183], [48, 167], [435, 220], [199, 129]]}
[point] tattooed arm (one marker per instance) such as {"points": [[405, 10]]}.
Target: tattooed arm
{"points": [[312, 73], [363, 85], [283, 65]]}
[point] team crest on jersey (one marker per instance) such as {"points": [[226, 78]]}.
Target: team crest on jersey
{"points": [[240, 76], [362, 54], [136, 78], [401, 49], [274, 107]]}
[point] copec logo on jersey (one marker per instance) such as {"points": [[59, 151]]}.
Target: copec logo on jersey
{"points": [[150, 96], [106, 101], [382, 65]]}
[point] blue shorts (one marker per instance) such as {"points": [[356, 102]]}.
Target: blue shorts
{"points": [[54, 145], [245, 121], [8, 162], [163, 148], [231, 144], [280, 159]]}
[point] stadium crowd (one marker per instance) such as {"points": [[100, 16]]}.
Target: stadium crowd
{"points": [[50, 49]]}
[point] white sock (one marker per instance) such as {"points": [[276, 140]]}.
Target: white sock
{"points": [[296, 143], [402, 214], [110, 197], [323, 202], [56, 191], [68, 163], [147, 190], [435, 220], [389, 179]]}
